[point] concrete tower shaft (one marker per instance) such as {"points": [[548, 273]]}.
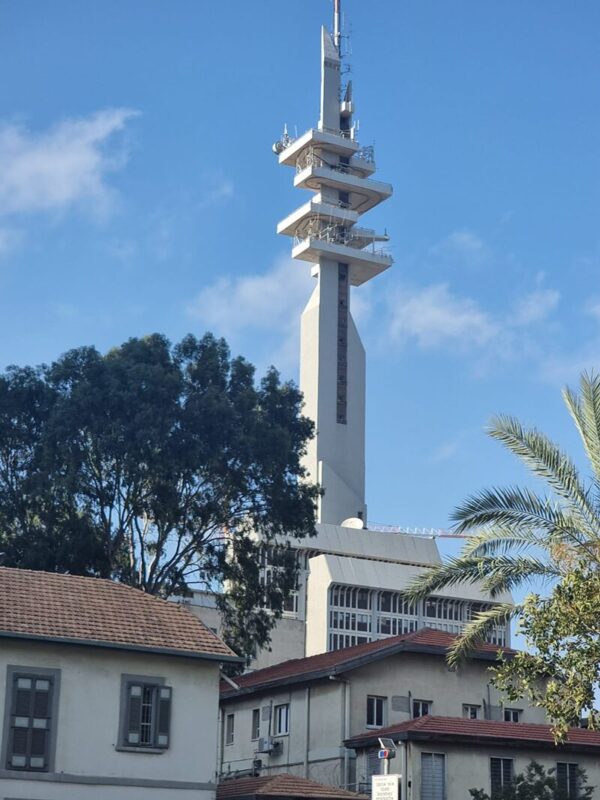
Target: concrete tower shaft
{"points": [[329, 161]]}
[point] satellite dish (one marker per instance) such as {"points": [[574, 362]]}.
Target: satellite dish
{"points": [[353, 522]]}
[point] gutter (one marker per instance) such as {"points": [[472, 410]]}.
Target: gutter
{"points": [[197, 655], [482, 741]]}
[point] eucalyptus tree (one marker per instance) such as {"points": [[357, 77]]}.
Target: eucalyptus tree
{"points": [[518, 536], [160, 466]]}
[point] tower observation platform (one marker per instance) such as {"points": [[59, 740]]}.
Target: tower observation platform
{"points": [[329, 162]]}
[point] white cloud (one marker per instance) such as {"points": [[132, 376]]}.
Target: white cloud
{"points": [[268, 303], [592, 308], [535, 307], [444, 452], [462, 245], [61, 167], [433, 316], [217, 194], [10, 239]]}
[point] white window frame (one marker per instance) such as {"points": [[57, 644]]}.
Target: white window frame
{"points": [[510, 713], [229, 729], [416, 703], [281, 713], [255, 729], [502, 759], [571, 766], [467, 710], [377, 703]]}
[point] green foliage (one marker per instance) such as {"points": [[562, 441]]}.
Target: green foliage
{"points": [[562, 674], [537, 784], [517, 536], [159, 466]]}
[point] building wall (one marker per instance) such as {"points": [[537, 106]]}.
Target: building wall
{"points": [[467, 766], [312, 749], [427, 677], [87, 763], [337, 710]]}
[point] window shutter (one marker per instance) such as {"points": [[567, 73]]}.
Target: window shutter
{"points": [[496, 775], [30, 722], [373, 764], [573, 781], [561, 779], [164, 716], [433, 785], [134, 713], [23, 688]]}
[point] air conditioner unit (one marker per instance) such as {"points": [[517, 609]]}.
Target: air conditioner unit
{"points": [[266, 744]]}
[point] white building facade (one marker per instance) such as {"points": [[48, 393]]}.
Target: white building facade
{"points": [[105, 693]]}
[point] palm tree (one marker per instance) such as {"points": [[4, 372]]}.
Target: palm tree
{"points": [[516, 535]]}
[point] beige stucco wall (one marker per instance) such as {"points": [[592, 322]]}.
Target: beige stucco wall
{"points": [[427, 677], [468, 765], [313, 747], [88, 722]]}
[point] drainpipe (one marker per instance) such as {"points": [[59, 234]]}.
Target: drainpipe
{"points": [[346, 725], [307, 732], [404, 768], [219, 764]]}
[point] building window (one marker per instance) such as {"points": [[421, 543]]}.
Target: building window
{"points": [[282, 719], [229, 728], [376, 708], [31, 709], [433, 776], [145, 713], [255, 723], [567, 780], [512, 715], [501, 773], [421, 708], [471, 712]]}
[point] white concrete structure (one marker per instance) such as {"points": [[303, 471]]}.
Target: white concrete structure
{"points": [[351, 577], [330, 162], [105, 693]]}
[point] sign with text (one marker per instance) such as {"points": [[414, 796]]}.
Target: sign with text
{"points": [[386, 787]]}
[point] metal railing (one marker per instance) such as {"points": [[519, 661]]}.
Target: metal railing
{"points": [[345, 240]]}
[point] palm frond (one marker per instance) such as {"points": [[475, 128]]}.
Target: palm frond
{"points": [[513, 508], [503, 539], [585, 412], [508, 572], [547, 461], [476, 631], [460, 570]]}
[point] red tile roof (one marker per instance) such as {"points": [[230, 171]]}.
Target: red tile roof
{"points": [[282, 785], [424, 640], [47, 605], [482, 730]]}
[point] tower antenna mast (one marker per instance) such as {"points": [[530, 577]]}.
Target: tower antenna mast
{"points": [[337, 34]]}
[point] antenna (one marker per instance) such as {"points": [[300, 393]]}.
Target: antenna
{"points": [[337, 36]]}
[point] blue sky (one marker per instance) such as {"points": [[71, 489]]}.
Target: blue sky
{"points": [[139, 193]]}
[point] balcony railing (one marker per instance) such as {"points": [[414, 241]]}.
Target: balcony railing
{"points": [[346, 238]]}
